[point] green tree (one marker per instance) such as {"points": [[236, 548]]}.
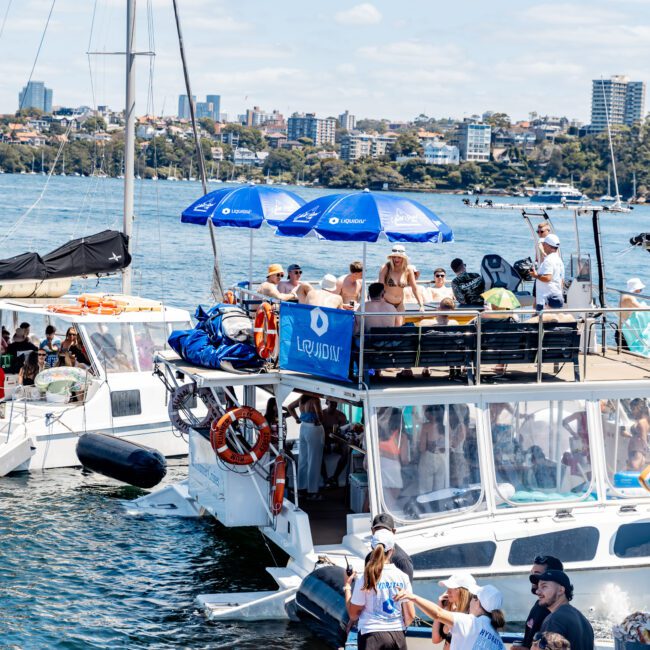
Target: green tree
{"points": [[93, 124], [406, 144]]}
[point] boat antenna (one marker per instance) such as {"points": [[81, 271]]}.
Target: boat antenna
{"points": [[617, 202], [217, 285]]}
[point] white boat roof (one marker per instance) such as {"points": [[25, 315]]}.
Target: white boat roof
{"points": [[42, 306]]}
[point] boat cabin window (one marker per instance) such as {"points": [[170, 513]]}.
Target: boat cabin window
{"points": [[574, 545], [626, 432], [541, 451], [633, 540], [112, 345], [473, 554], [428, 459], [149, 339]]}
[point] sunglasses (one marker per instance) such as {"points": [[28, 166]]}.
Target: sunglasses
{"points": [[540, 640], [440, 275], [42, 354], [541, 232], [541, 559], [297, 272]]}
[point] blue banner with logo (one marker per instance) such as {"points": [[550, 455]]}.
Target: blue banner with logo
{"points": [[316, 340]]}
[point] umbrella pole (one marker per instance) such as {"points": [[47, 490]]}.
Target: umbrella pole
{"points": [[250, 261], [362, 324]]}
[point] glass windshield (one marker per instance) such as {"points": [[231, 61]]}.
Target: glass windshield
{"points": [[428, 459], [112, 345], [149, 338], [626, 427], [541, 451]]}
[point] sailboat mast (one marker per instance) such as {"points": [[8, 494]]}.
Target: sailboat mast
{"points": [[617, 201], [129, 136]]}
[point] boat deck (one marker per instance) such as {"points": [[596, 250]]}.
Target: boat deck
{"points": [[598, 367]]}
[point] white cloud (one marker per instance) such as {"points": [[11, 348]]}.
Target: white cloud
{"points": [[363, 14], [346, 68], [413, 52], [570, 14]]}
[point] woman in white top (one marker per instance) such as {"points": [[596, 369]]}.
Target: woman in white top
{"points": [[382, 620], [474, 631]]}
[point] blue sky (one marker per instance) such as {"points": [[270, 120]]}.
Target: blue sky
{"points": [[377, 59]]}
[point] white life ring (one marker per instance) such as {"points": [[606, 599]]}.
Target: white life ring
{"points": [[176, 407]]}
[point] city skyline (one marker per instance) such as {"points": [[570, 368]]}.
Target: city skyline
{"points": [[374, 59]]}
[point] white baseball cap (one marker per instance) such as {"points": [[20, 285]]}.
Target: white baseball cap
{"points": [[328, 282], [635, 284], [460, 579], [398, 250], [384, 537], [489, 597], [551, 240]]}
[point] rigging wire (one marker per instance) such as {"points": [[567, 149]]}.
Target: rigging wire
{"points": [[4, 19], [38, 51]]}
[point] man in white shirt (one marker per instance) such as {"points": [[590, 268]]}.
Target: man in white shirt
{"points": [[550, 275]]}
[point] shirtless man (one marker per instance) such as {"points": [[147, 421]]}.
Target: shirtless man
{"points": [[269, 288], [378, 304], [291, 284], [349, 286], [326, 296], [439, 291]]}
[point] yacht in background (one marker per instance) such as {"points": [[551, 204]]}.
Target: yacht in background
{"points": [[555, 192]]}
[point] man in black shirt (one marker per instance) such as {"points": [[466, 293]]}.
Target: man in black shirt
{"points": [[538, 613], [555, 591], [467, 287], [400, 557]]}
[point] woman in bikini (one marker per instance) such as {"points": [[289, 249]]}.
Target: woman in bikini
{"points": [[396, 275]]}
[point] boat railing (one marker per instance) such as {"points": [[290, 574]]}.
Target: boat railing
{"points": [[564, 336]]}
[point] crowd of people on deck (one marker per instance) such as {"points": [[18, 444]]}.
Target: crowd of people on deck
{"points": [[30, 354], [467, 615], [398, 285]]}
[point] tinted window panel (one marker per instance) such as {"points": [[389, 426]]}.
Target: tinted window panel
{"points": [[459, 556], [633, 540], [125, 402], [576, 545]]}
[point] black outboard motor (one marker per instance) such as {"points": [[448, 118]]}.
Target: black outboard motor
{"points": [[122, 460], [320, 604]]}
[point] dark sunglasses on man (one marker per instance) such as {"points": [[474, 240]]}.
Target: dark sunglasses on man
{"points": [[440, 275], [540, 640]]}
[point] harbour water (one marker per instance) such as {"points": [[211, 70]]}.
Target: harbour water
{"points": [[75, 570]]}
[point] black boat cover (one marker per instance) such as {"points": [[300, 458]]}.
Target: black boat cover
{"points": [[104, 252]]}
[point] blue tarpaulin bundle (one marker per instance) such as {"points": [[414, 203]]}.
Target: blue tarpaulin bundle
{"points": [[222, 334]]}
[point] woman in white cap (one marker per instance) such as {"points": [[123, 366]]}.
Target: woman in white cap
{"points": [[628, 301], [457, 597], [484, 620], [382, 620], [396, 275]]}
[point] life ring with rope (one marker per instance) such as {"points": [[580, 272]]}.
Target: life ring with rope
{"points": [[278, 482], [229, 298], [644, 478], [265, 330], [219, 430], [105, 310], [177, 404]]}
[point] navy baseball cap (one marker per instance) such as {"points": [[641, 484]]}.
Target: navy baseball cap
{"points": [[383, 520], [553, 575]]}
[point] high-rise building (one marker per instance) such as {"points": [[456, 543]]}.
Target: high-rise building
{"points": [[474, 141], [307, 125], [36, 95], [184, 107], [214, 106], [616, 98], [347, 121]]}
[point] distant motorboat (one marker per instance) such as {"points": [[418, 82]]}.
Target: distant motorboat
{"points": [[554, 192]]}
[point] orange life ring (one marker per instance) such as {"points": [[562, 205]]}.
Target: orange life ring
{"points": [[229, 298], [220, 427], [278, 481], [72, 310], [265, 330], [104, 311]]}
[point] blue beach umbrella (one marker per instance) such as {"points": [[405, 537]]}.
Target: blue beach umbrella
{"points": [[366, 216], [243, 207]]}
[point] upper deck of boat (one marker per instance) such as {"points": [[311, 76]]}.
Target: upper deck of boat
{"points": [[606, 369]]}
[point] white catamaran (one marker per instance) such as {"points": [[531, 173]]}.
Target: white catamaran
{"points": [[540, 464]]}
